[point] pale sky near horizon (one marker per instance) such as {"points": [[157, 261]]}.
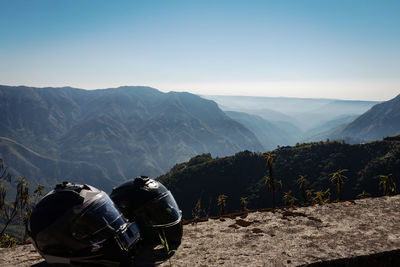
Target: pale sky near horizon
{"points": [[346, 49]]}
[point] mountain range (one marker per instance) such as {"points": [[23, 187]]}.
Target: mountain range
{"points": [[294, 119], [113, 134], [107, 136], [381, 120]]}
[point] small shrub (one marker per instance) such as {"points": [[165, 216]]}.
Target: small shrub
{"points": [[288, 199], [309, 195], [321, 197], [243, 203], [222, 204], [387, 185], [364, 194], [165, 244], [196, 212], [301, 182], [7, 241]]}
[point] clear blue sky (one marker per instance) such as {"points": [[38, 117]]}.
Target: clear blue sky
{"points": [[347, 49]]}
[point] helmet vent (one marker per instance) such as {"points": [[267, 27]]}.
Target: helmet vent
{"points": [[141, 181]]}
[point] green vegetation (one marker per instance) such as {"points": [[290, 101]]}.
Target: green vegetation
{"points": [[222, 204], [363, 194], [309, 193], [337, 178], [10, 211], [20, 208], [103, 137], [387, 185], [243, 203], [7, 241], [301, 182], [196, 212], [244, 174], [321, 197], [165, 244], [272, 184], [288, 199]]}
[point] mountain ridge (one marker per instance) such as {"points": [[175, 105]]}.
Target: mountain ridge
{"points": [[381, 120], [125, 131]]}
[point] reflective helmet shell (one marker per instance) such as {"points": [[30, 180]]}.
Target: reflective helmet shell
{"points": [[151, 205], [76, 224]]}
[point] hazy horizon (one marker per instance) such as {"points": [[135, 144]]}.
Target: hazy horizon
{"points": [[201, 94], [308, 49]]}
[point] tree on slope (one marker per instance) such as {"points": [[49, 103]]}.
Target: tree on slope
{"points": [[272, 184], [301, 182], [20, 208], [10, 211], [337, 178]]}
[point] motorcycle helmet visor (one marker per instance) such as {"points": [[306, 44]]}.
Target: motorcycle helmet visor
{"points": [[99, 221], [161, 212]]}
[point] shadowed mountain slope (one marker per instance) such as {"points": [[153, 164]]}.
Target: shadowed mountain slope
{"points": [[270, 134], [124, 132], [48, 171], [381, 120]]}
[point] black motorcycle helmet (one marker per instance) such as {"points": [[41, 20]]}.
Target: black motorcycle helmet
{"points": [[152, 206], [78, 224]]}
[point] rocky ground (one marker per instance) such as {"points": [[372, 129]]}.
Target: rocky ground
{"points": [[284, 237]]}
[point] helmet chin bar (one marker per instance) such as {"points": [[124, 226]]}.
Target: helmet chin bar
{"points": [[56, 260], [128, 236], [169, 224]]}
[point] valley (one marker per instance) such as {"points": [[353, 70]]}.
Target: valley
{"points": [[104, 137]]}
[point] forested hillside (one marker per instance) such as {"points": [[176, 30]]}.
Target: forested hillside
{"points": [[242, 175], [111, 134]]}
